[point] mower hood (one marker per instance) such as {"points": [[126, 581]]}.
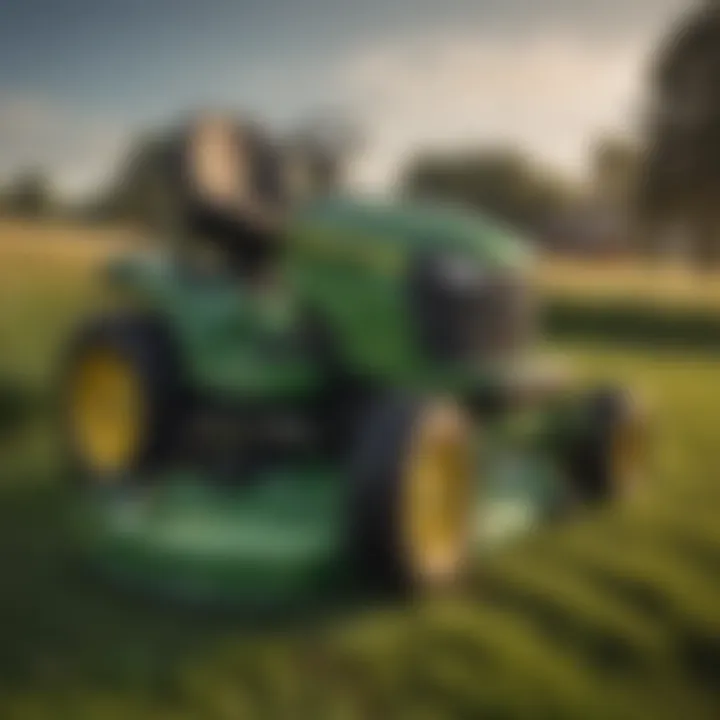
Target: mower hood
{"points": [[399, 229]]}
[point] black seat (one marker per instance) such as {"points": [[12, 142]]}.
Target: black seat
{"points": [[230, 182]]}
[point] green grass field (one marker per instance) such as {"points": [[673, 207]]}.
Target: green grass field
{"points": [[615, 615]]}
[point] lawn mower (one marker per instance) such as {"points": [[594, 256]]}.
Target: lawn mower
{"points": [[300, 390]]}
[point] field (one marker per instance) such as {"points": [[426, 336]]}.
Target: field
{"points": [[614, 616], [665, 284]]}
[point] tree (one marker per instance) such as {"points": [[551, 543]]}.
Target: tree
{"points": [[28, 195], [614, 185], [140, 191], [501, 181], [316, 154], [615, 166], [681, 173]]}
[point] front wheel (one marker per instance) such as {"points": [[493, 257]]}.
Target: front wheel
{"points": [[413, 494], [121, 398]]}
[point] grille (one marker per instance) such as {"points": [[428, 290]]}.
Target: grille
{"points": [[483, 317]]}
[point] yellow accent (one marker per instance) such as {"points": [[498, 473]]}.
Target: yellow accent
{"points": [[107, 411], [437, 495]]}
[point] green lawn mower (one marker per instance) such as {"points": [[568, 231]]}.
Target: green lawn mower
{"points": [[306, 391]]}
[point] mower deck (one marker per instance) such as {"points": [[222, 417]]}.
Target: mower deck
{"points": [[193, 539], [276, 539]]}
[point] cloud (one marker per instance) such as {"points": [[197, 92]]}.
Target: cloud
{"points": [[77, 152], [551, 93]]}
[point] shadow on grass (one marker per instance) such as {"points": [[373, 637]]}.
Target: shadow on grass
{"points": [[17, 405]]}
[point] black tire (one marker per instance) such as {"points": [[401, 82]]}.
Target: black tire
{"points": [[376, 473], [594, 475], [146, 346]]}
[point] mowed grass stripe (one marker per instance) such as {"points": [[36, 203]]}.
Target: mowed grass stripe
{"points": [[575, 611], [467, 652], [657, 582]]}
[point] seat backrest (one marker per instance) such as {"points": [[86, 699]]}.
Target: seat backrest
{"points": [[228, 182], [232, 168]]}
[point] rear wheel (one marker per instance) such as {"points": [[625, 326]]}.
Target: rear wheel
{"points": [[611, 460], [413, 501], [122, 399]]}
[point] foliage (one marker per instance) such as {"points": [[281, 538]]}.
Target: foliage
{"points": [[501, 181], [615, 168], [139, 193], [29, 194], [618, 320], [682, 170]]}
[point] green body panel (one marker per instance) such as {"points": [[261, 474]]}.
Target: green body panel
{"points": [[230, 340]]}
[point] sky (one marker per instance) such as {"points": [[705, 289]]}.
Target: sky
{"points": [[78, 78]]}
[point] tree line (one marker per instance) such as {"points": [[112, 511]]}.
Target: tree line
{"points": [[644, 194]]}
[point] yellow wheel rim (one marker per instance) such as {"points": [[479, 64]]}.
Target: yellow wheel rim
{"points": [[107, 411], [438, 495]]}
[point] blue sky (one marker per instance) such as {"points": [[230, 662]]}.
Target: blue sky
{"points": [[137, 58], [77, 77]]}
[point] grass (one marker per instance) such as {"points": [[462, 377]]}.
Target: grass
{"points": [[46, 276], [614, 616], [665, 285]]}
